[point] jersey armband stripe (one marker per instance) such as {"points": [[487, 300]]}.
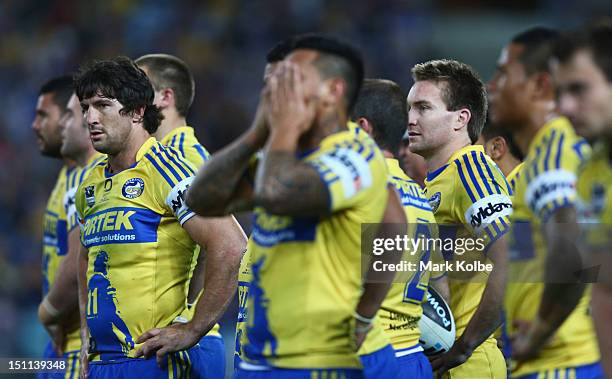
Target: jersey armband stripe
{"points": [[559, 148], [159, 169], [464, 181], [549, 147], [201, 151], [188, 166], [472, 176], [181, 144], [482, 175], [180, 162], [167, 164], [488, 168]]}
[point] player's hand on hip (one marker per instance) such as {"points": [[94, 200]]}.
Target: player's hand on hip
{"points": [[288, 108], [360, 333], [166, 340], [457, 355]]}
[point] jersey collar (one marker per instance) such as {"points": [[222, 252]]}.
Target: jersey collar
{"points": [[175, 132], [464, 150]]}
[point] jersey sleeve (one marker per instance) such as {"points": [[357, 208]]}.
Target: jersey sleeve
{"points": [[172, 177], [482, 198], [347, 172], [552, 176]]}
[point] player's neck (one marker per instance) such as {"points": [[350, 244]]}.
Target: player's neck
{"points": [[441, 156], [541, 115], [171, 121], [388, 154], [127, 156], [82, 159], [325, 126]]}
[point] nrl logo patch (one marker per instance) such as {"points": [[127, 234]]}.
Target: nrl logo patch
{"points": [[90, 198], [434, 201], [133, 188]]}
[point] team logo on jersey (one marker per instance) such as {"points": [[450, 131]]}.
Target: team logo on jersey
{"points": [[435, 200], [90, 199], [108, 184], [133, 188]]}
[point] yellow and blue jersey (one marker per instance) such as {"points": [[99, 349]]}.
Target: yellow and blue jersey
{"points": [[139, 255], [513, 176], [306, 271], [402, 309], [55, 235], [183, 140], [470, 198], [595, 198], [547, 183]]}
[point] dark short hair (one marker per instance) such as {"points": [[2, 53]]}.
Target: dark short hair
{"points": [[594, 39], [537, 45], [491, 131], [383, 104], [61, 87], [279, 51], [119, 78], [168, 71], [462, 88], [336, 59]]}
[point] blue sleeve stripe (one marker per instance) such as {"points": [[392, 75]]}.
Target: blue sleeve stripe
{"points": [[503, 222], [468, 166], [166, 163], [181, 144], [173, 141], [559, 148], [170, 158], [361, 148], [497, 187], [464, 181], [536, 161], [494, 224], [73, 177], [83, 173], [578, 148], [488, 230], [176, 159], [200, 149], [549, 148], [159, 169], [481, 173]]}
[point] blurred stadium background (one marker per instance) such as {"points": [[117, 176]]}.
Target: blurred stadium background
{"points": [[224, 42]]}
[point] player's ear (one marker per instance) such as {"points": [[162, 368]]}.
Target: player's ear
{"points": [[335, 88], [543, 85], [463, 118], [166, 98], [365, 125], [498, 148], [138, 115]]}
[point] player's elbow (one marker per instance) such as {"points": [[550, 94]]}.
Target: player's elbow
{"points": [[274, 202]]}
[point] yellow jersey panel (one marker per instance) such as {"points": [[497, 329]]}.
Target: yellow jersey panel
{"points": [[470, 198], [401, 310], [306, 271], [547, 183], [139, 255], [55, 236], [513, 176]]}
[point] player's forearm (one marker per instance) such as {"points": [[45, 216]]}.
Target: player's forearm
{"points": [[487, 317], [602, 316], [82, 292], [563, 289], [219, 289], [217, 183], [376, 284], [63, 294]]}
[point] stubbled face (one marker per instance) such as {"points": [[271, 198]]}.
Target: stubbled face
{"points": [[75, 135], [430, 123], [46, 126], [108, 129], [509, 91], [584, 95]]}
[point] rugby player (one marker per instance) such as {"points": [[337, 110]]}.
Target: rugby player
{"points": [[546, 307], [470, 199], [52, 99], [314, 185], [381, 112], [413, 164], [139, 237], [583, 78], [61, 309], [500, 147]]}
